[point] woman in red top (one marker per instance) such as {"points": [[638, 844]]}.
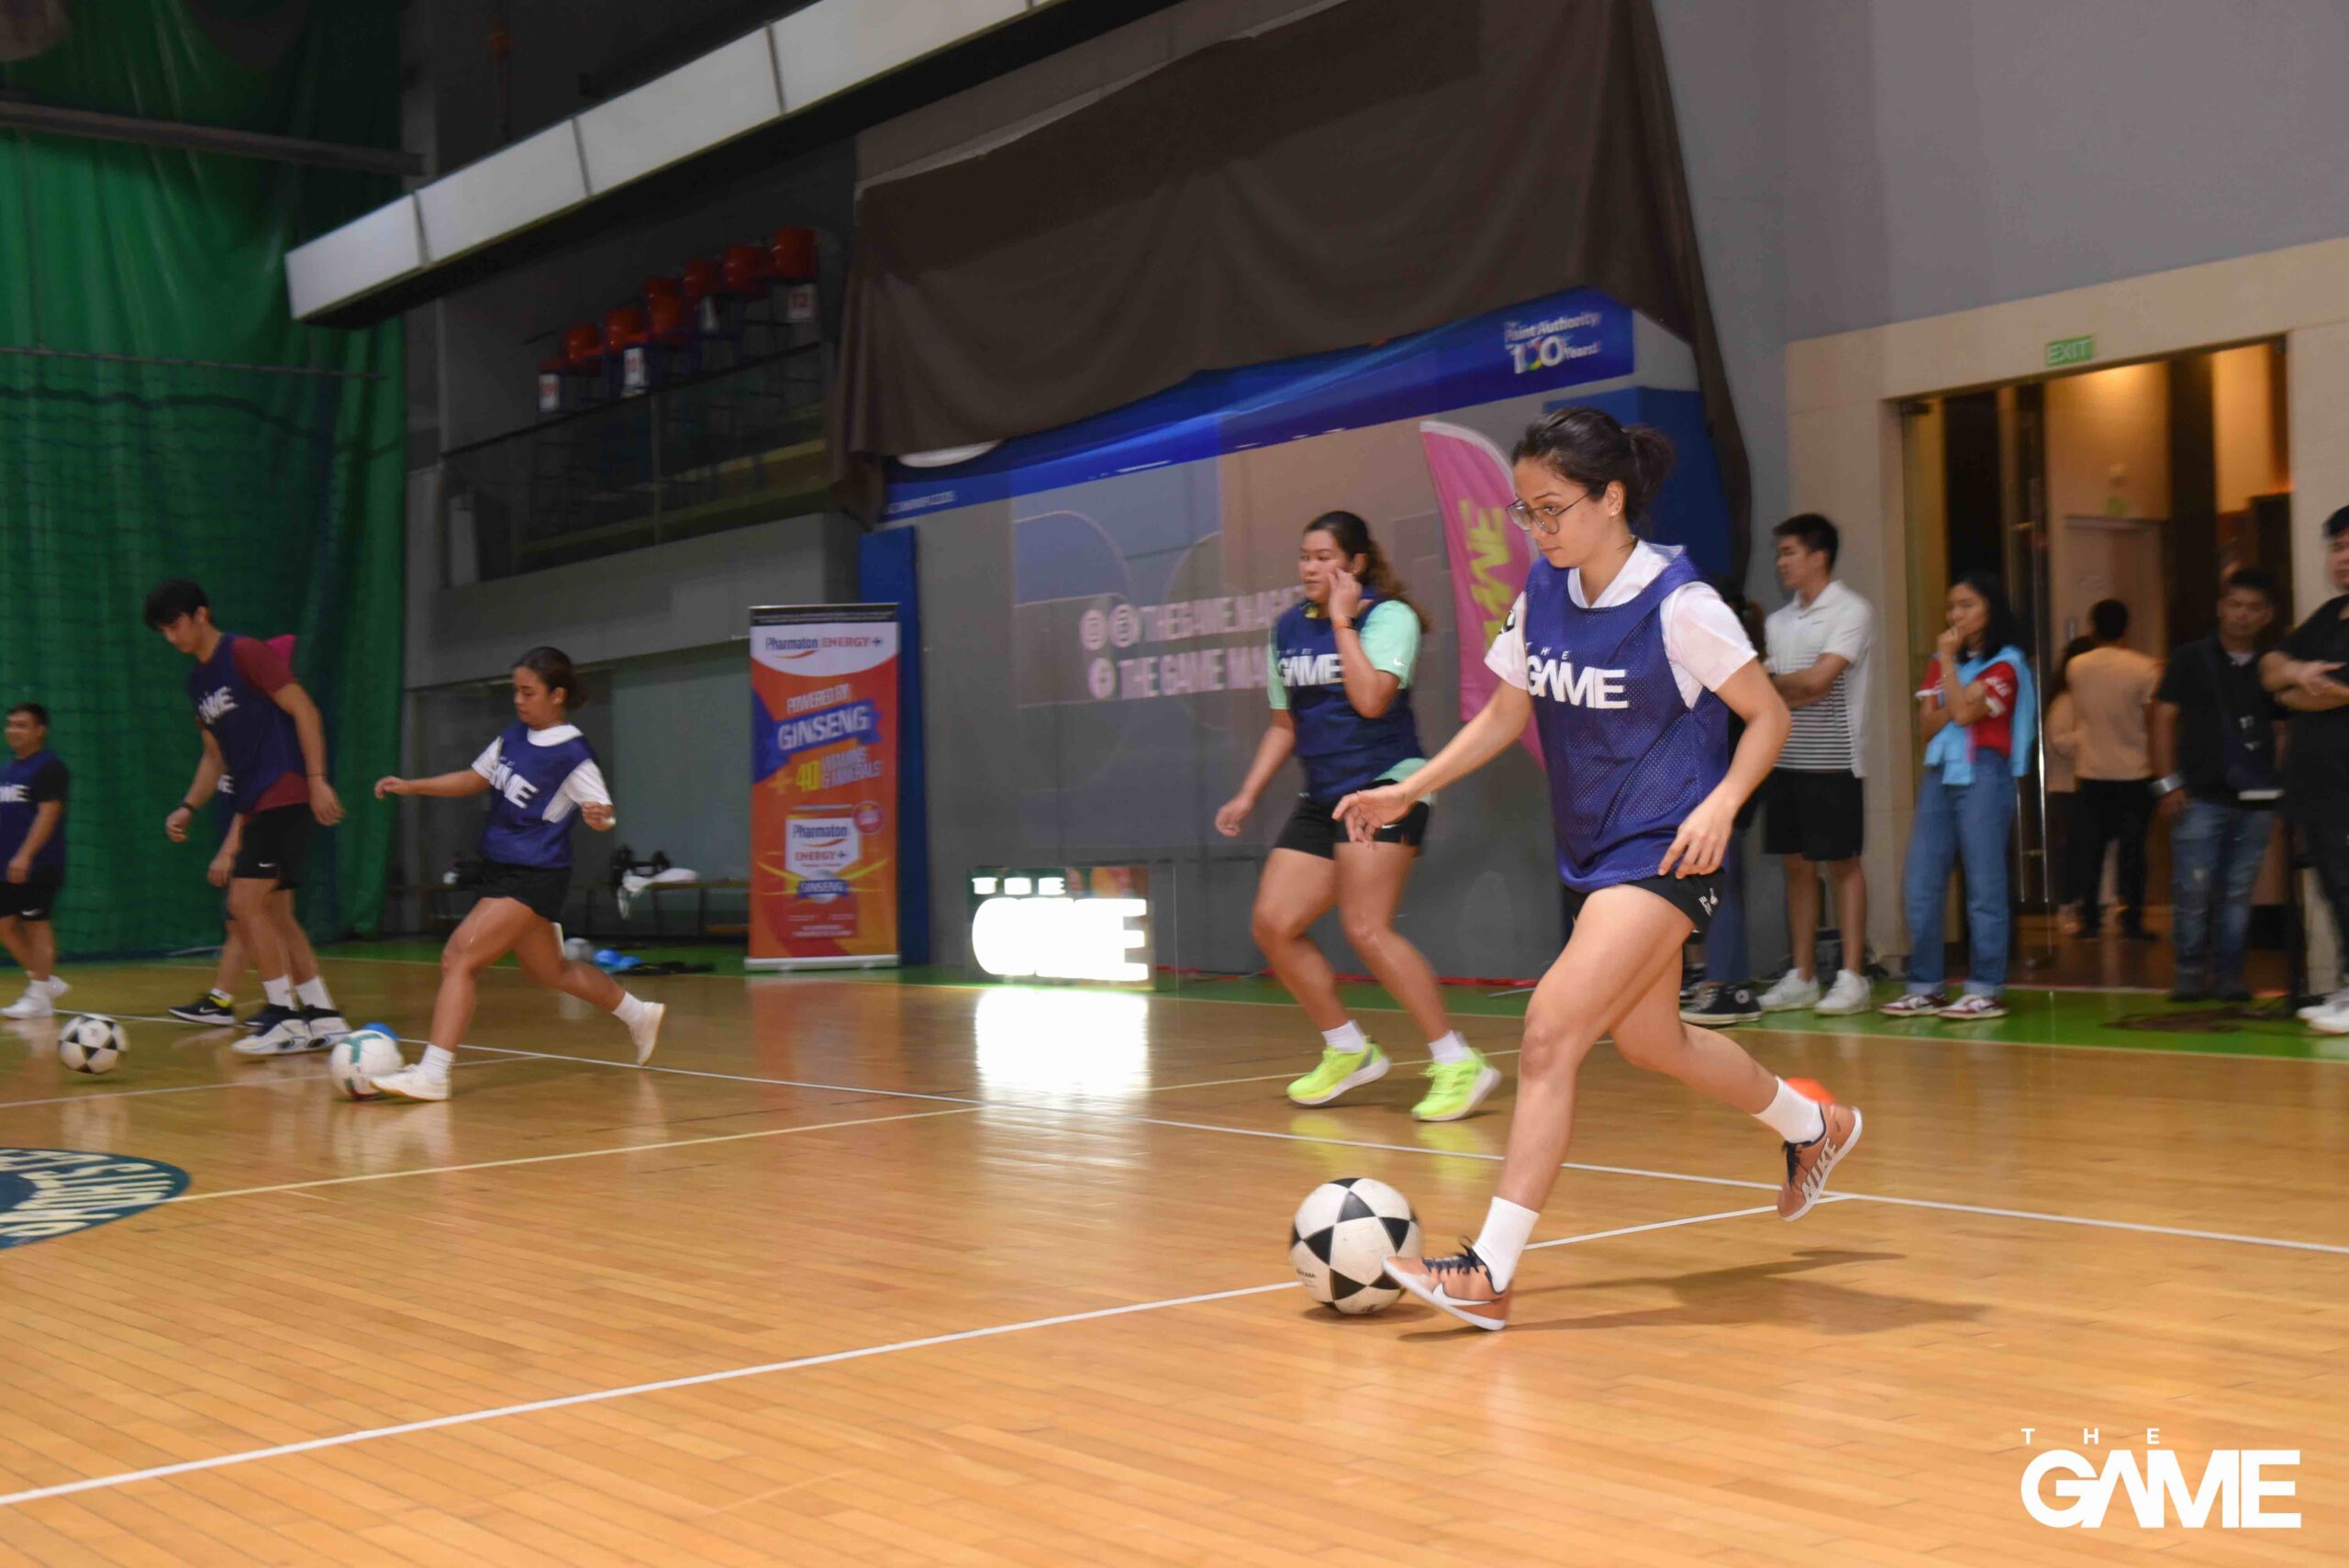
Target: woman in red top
{"points": [[1975, 708]]}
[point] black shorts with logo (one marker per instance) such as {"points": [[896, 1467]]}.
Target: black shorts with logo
{"points": [[31, 899], [275, 844], [1311, 830], [1695, 896], [1820, 816], [542, 889]]}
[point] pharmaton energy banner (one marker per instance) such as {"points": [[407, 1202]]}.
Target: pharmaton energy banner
{"points": [[823, 787]]}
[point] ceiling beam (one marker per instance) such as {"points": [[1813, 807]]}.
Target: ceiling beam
{"points": [[54, 119]]}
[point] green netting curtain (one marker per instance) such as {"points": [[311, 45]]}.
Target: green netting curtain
{"points": [[162, 414]]}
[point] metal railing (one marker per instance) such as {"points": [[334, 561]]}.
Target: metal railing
{"points": [[700, 454]]}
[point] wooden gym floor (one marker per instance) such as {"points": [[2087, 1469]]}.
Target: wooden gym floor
{"points": [[873, 1273]]}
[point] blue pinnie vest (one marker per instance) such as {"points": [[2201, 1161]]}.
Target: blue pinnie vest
{"points": [[523, 785], [1340, 750], [19, 811], [256, 736], [1627, 759]]}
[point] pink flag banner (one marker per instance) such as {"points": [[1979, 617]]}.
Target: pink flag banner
{"points": [[1489, 553]]}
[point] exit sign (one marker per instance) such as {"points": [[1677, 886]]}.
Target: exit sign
{"points": [[2070, 351]]}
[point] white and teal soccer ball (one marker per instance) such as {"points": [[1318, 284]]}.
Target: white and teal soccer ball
{"points": [[361, 1057], [1343, 1233], [91, 1043]]}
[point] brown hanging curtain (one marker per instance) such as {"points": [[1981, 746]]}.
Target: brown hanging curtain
{"points": [[1373, 169]]}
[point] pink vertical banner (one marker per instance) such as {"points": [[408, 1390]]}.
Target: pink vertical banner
{"points": [[1489, 553]]}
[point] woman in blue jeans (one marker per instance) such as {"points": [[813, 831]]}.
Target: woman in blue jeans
{"points": [[1976, 707]]}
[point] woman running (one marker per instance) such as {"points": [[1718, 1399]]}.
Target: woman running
{"points": [[1630, 666], [1341, 691], [543, 773]]}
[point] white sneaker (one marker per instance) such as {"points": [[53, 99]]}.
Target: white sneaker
{"points": [[412, 1084], [1791, 993], [646, 1031], [2337, 1000], [1850, 994], [1976, 1007], [37, 1002], [2333, 1019], [57, 987], [281, 1032]]}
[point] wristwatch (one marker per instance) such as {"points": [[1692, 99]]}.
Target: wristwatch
{"points": [[2168, 784]]}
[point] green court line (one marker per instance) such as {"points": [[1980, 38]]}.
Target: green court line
{"points": [[2096, 1020]]}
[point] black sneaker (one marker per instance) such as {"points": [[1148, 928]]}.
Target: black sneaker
{"points": [[2191, 988], [1728, 1005], [204, 1010], [2235, 991], [1693, 991], [325, 1023]]}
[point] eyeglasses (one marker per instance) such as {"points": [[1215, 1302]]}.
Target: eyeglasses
{"points": [[1543, 518]]}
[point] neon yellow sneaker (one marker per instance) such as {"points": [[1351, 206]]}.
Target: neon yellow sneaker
{"points": [[1340, 1071], [1456, 1088]]}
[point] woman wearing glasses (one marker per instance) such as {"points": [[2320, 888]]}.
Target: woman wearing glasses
{"points": [[1630, 667], [1341, 691]]}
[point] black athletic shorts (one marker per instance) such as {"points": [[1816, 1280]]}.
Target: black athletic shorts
{"points": [[1311, 830], [542, 888], [1820, 816], [275, 844], [1695, 896], [31, 899]]}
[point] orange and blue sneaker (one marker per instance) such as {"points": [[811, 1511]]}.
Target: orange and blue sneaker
{"points": [[1809, 1164], [1460, 1284]]}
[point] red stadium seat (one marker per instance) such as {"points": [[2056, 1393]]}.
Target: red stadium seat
{"points": [[582, 349], [747, 270], [792, 252], [665, 319]]}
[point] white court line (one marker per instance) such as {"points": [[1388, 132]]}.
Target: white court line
{"points": [[733, 1374], [729, 1077], [2100, 1223], [574, 1154], [975, 1102]]}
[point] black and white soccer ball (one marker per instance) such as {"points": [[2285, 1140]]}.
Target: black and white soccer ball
{"points": [[91, 1043], [1343, 1233]]}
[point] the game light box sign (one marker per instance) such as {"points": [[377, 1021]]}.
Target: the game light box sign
{"points": [[1062, 923]]}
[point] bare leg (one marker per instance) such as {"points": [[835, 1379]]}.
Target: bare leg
{"points": [[544, 964], [1370, 886], [1296, 889], [301, 958], [1651, 1035], [1626, 945], [18, 942], [43, 938], [1802, 914], [488, 933], [232, 959], [249, 901]]}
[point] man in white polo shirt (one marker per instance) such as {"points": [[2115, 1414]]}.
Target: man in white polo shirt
{"points": [[1813, 811]]}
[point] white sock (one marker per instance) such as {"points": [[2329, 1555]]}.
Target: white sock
{"points": [[434, 1065], [629, 1010], [314, 994], [1794, 1116], [279, 992], [1347, 1037], [1450, 1048], [1507, 1228]]}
